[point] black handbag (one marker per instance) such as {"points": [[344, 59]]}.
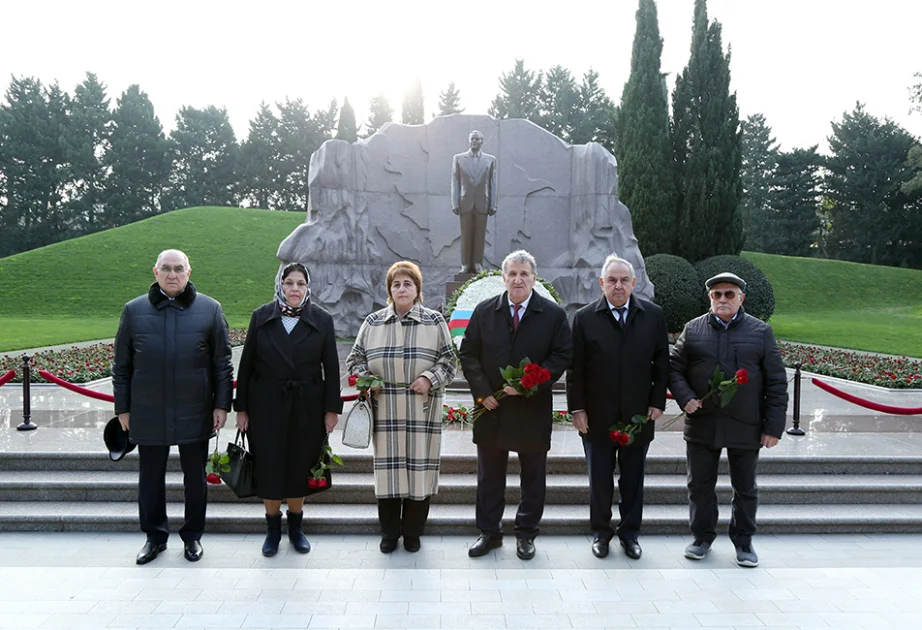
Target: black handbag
{"points": [[326, 457], [241, 476]]}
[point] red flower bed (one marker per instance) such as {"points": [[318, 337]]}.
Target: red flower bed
{"points": [[884, 371]]}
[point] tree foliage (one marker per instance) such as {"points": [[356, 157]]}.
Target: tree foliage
{"points": [[557, 102], [643, 148], [346, 128], [760, 157], [412, 111], [260, 155], [380, 112], [86, 142], [450, 101], [519, 93], [791, 224]]}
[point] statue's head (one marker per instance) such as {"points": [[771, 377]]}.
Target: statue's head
{"points": [[476, 140]]}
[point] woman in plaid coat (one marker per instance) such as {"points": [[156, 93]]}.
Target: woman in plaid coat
{"points": [[409, 347]]}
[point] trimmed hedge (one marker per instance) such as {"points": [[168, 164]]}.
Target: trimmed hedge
{"points": [[760, 297], [677, 289]]}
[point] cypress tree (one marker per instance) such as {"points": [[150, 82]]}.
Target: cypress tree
{"points": [[346, 129], [644, 151], [707, 148]]}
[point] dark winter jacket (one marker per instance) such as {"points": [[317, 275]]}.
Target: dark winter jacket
{"points": [[172, 366], [759, 406]]}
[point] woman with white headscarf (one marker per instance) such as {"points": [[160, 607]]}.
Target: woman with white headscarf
{"points": [[287, 399]]}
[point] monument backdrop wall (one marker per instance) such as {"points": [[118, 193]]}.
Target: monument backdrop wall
{"points": [[387, 198]]}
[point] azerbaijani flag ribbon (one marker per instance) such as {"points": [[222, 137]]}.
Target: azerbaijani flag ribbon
{"points": [[458, 322]]}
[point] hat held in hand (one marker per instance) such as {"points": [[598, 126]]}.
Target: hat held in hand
{"points": [[116, 439]]}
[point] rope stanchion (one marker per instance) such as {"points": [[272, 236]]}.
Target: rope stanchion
{"points": [[6, 378], [867, 404], [89, 393]]}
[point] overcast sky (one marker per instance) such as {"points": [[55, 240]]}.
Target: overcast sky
{"points": [[800, 62]]}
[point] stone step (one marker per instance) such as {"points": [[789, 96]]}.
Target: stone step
{"points": [[361, 462], [459, 519], [562, 489]]}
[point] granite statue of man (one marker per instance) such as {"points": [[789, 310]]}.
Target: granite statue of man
{"points": [[473, 198]]}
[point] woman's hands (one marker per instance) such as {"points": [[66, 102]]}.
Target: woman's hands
{"points": [[330, 420], [421, 385], [243, 421]]}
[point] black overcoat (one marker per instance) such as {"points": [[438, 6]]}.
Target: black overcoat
{"points": [[172, 367], [617, 373], [759, 406], [519, 424], [286, 383]]}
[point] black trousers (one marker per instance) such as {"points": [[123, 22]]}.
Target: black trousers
{"points": [[152, 490], [600, 460], [402, 517], [473, 235], [702, 494], [491, 491]]}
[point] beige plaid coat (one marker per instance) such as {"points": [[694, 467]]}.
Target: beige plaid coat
{"points": [[408, 426]]}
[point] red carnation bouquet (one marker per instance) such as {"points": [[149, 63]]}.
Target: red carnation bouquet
{"points": [[318, 478], [623, 434], [525, 379]]}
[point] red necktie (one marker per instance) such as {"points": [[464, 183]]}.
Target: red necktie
{"points": [[515, 316]]}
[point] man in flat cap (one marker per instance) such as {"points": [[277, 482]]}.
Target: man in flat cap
{"points": [[727, 338]]}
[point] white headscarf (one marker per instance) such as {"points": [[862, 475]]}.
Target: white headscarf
{"points": [[288, 310]]}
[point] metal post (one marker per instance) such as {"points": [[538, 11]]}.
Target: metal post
{"points": [[796, 430], [27, 424]]}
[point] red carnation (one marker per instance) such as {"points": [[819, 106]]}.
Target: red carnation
{"points": [[624, 439], [311, 483], [213, 479], [353, 379], [615, 436], [322, 482], [528, 381], [742, 377]]}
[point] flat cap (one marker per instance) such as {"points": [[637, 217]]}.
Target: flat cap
{"points": [[726, 276]]}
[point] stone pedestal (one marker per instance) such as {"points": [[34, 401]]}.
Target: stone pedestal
{"points": [[453, 285]]}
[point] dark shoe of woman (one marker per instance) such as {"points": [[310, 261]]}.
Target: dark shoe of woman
{"points": [[388, 545], [295, 535], [273, 535], [411, 543]]}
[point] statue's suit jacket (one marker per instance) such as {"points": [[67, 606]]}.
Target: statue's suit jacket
{"points": [[473, 191]]}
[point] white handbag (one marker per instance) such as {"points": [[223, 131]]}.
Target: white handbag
{"points": [[358, 425]]}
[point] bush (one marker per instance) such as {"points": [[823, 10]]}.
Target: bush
{"points": [[677, 289], [760, 297]]}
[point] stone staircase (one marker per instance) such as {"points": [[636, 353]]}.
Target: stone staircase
{"points": [[83, 491]]}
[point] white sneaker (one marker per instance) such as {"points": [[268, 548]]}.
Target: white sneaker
{"points": [[746, 556]]}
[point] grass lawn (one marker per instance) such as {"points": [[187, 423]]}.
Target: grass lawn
{"points": [[845, 305]]}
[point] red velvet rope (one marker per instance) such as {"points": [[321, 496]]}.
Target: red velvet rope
{"points": [[48, 376], [6, 378], [861, 402]]}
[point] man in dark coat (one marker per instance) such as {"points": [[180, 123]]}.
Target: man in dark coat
{"points": [[620, 368], [173, 384], [729, 339], [502, 331]]}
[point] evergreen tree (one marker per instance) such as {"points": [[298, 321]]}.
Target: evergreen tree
{"points": [[259, 161], [347, 129], [325, 122], [138, 160], [873, 220], [411, 112], [380, 112], [558, 102], [299, 137], [760, 154], [915, 94], [205, 156], [707, 148], [791, 224], [450, 101], [644, 150], [519, 94], [595, 115], [87, 141]]}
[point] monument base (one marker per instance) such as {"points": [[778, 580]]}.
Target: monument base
{"points": [[453, 285]]}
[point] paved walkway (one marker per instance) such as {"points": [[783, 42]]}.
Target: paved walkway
{"points": [[69, 580]]}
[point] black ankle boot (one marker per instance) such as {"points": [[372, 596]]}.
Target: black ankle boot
{"points": [[295, 535], [273, 534]]}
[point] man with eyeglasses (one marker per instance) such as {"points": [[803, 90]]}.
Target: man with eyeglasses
{"points": [[173, 384], [727, 338]]}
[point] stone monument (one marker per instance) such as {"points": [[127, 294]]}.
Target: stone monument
{"points": [[386, 198], [473, 199]]}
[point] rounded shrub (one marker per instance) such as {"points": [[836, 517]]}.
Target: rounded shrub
{"points": [[677, 290], [760, 297]]}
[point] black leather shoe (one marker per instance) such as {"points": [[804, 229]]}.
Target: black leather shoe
{"points": [[600, 548], [388, 545], [411, 543], [525, 548], [149, 552], [484, 544], [631, 549], [193, 551]]}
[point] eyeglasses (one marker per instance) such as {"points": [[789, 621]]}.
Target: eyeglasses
{"points": [[175, 268], [730, 294]]}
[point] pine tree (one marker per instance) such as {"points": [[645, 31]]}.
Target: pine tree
{"points": [[791, 224], [644, 151], [259, 161], [707, 148], [87, 141], [760, 154], [299, 136], [138, 160], [595, 114], [558, 102], [380, 112], [450, 101], [346, 128], [519, 94], [412, 112], [325, 122]]}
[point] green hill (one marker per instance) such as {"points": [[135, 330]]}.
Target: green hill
{"points": [[74, 290]]}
